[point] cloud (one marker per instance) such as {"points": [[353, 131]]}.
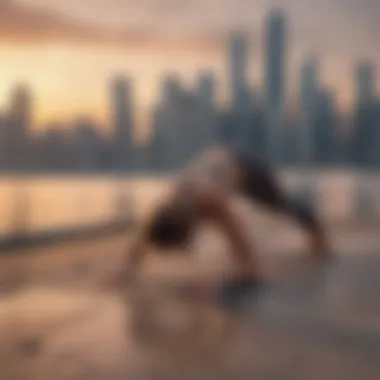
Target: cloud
{"points": [[26, 24], [342, 27], [22, 24]]}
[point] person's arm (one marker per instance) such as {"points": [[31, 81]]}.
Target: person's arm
{"points": [[135, 253], [220, 214], [131, 260]]}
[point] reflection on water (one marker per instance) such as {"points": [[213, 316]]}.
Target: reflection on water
{"points": [[56, 322], [49, 203], [51, 332]]}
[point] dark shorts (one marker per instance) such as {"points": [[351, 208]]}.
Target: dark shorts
{"points": [[258, 183], [234, 294], [260, 186]]}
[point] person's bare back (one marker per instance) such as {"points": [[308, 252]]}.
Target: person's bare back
{"points": [[215, 167]]}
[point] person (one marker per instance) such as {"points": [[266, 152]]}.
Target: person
{"points": [[202, 193]]}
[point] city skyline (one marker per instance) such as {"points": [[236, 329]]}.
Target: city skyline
{"points": [[79, 86], [186, 116]]}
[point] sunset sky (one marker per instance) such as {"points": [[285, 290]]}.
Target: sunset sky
{"points": [[66, 50]]}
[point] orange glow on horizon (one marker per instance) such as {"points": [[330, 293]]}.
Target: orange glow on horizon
{"points": [[70, 81]]}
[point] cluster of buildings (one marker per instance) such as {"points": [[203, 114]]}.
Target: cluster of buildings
{"points": [[185, 120]]}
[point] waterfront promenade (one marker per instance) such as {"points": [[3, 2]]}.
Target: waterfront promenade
{"points": [[57, 323]]}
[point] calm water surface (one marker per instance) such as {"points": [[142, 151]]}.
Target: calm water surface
{"points": [[29, 204]]}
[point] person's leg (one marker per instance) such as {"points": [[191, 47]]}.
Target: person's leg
{"points": [[260, 185], [309, 221], [233, 294]]}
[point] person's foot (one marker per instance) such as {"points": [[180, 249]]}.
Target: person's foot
{"points": [[320, 250], [234, 293]]}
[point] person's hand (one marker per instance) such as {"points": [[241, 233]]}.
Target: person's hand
{"points": [[319, 247], [119, 280], [320, 250], [250, 271]]}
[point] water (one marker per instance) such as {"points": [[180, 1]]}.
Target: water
{"points": [[31, 204], [90, 334]]}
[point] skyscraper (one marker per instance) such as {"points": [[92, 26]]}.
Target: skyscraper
{"points": [[365, 82], [240, 100], [206, 109], [57, 148], [171, 89], [20, 111], [87, 143], [237, 62], [325, 137], [205, 89], [121, 114], [19, 120], [309, 92], [169, 123], [158, 142], [363, 138], [275, 59]]}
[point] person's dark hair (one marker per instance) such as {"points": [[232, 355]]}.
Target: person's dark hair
{"points": [[170, 227]]}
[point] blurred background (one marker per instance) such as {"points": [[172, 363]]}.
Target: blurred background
{"points": [[103, 101]]}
